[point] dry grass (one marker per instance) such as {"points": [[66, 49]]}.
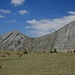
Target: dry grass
{"points": [[37, 64]]}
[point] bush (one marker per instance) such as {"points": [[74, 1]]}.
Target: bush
{"points": [[74, 51], [25, 52], [55, 50], [3, 56], [67, 51], [43, 51], [20, 55], [0, 66], [70, 51], [51, 51], [8, 53]]}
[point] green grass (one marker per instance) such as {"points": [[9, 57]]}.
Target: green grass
{"points": [[37, 64]]}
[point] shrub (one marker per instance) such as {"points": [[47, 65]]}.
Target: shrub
{"points": [[0, 66], [67, 51], [74, 51], [25, 52], [51, 51], [3, 56], [43, 51], [55, 50], [70, 51], [8, 53], [20, 55]]}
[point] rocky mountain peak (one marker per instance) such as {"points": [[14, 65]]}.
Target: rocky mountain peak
{"points": [[13, 40]]}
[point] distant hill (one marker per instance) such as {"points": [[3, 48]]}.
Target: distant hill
{"points": [[62, 39]]}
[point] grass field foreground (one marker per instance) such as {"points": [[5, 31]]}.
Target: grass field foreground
{"points": [[36, 64]]}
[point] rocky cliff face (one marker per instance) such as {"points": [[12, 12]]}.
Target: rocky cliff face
{"points": [[62, 39]]}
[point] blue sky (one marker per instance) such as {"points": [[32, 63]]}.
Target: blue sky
{"points": [[35, 17]]}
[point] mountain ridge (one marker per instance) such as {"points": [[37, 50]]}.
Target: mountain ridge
{"points": [[62, 39]]}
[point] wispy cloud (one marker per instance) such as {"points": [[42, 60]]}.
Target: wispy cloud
{"points": [[17, 2], [1, 16], [23, 12], [5, 11], [45, 26], [71, 12], [13, 21], [27, 27]]}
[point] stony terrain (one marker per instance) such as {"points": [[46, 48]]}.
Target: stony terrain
{"points": [[62, 39]]}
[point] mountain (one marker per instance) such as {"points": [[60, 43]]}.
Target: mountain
{"points": [[14, 40], [44, 43], [62, 39], [66, 37]]}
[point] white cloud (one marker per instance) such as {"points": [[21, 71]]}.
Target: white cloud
{"points": [[5, 11], [11, 21], [1, 16], [27, 27], [32, 21], [71, 12], [23, 12], [17, 2], [45, 26]]}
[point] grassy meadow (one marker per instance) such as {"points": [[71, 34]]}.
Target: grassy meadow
{"points": [[17, 63]]}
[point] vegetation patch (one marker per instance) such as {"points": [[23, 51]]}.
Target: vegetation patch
{"points": [[25, 52], [0, 66]]}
